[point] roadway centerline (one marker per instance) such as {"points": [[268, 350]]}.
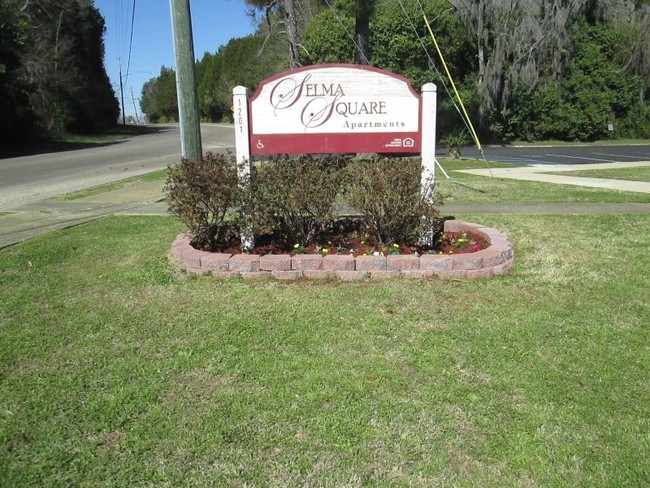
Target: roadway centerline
{"points": [[617, 155], [581, 157], [524, 158]]}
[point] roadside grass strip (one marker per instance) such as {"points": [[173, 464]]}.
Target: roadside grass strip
{"points": [[640, 173], [468, 188], [118, 370], [156, 176]]}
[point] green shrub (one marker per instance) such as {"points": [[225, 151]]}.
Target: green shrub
{"points": [[454, 142], [387, 193], [200, 195], [593, 90], [294, 197]]}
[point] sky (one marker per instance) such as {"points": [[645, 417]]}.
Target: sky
{"points": [[214, 23]]}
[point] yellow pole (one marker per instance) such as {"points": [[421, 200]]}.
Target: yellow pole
{"points": [[462, 106]]}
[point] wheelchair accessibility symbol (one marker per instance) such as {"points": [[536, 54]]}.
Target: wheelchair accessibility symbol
{"points": [[259, 144]]}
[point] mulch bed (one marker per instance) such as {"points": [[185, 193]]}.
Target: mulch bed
{"points": [[347, 236]]}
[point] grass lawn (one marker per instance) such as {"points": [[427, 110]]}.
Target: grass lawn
{"points": [[125, 183], [641, 173], [117, 370], [465, 188]]}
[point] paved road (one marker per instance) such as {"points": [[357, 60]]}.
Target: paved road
{"points": [[562, 154], [28, 179]]}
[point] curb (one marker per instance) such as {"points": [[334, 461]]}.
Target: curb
{"points": [[497, 259]]}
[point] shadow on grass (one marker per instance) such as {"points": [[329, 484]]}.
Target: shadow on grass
{"points": [[116, 135]]}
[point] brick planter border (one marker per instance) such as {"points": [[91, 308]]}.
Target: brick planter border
{"points": [[496, 259]]}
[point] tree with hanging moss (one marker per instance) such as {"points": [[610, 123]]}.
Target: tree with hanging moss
{"points": [[526, 46]]}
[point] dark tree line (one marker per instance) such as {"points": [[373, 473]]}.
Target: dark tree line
{"points": [[244, 61], [526, 69], [52, 75]]}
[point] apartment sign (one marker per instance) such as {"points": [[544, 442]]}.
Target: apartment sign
{"points": [[334, 109]]}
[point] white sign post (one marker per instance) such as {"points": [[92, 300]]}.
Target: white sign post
{"points": [[242, 152], [429, 101], [240, 114]]}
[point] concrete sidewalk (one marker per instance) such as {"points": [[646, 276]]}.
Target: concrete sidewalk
{"points": [[544, 174], [54, 214], [148, 199]]}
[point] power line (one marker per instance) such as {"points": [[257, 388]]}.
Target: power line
{"points": [[128, 64], [431, 63], [348, 32], [120, 17], [121, 21], [464, 116]]}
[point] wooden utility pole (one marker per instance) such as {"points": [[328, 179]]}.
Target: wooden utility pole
{"points": [[135, 107], [188, 104], [122, 97]]}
